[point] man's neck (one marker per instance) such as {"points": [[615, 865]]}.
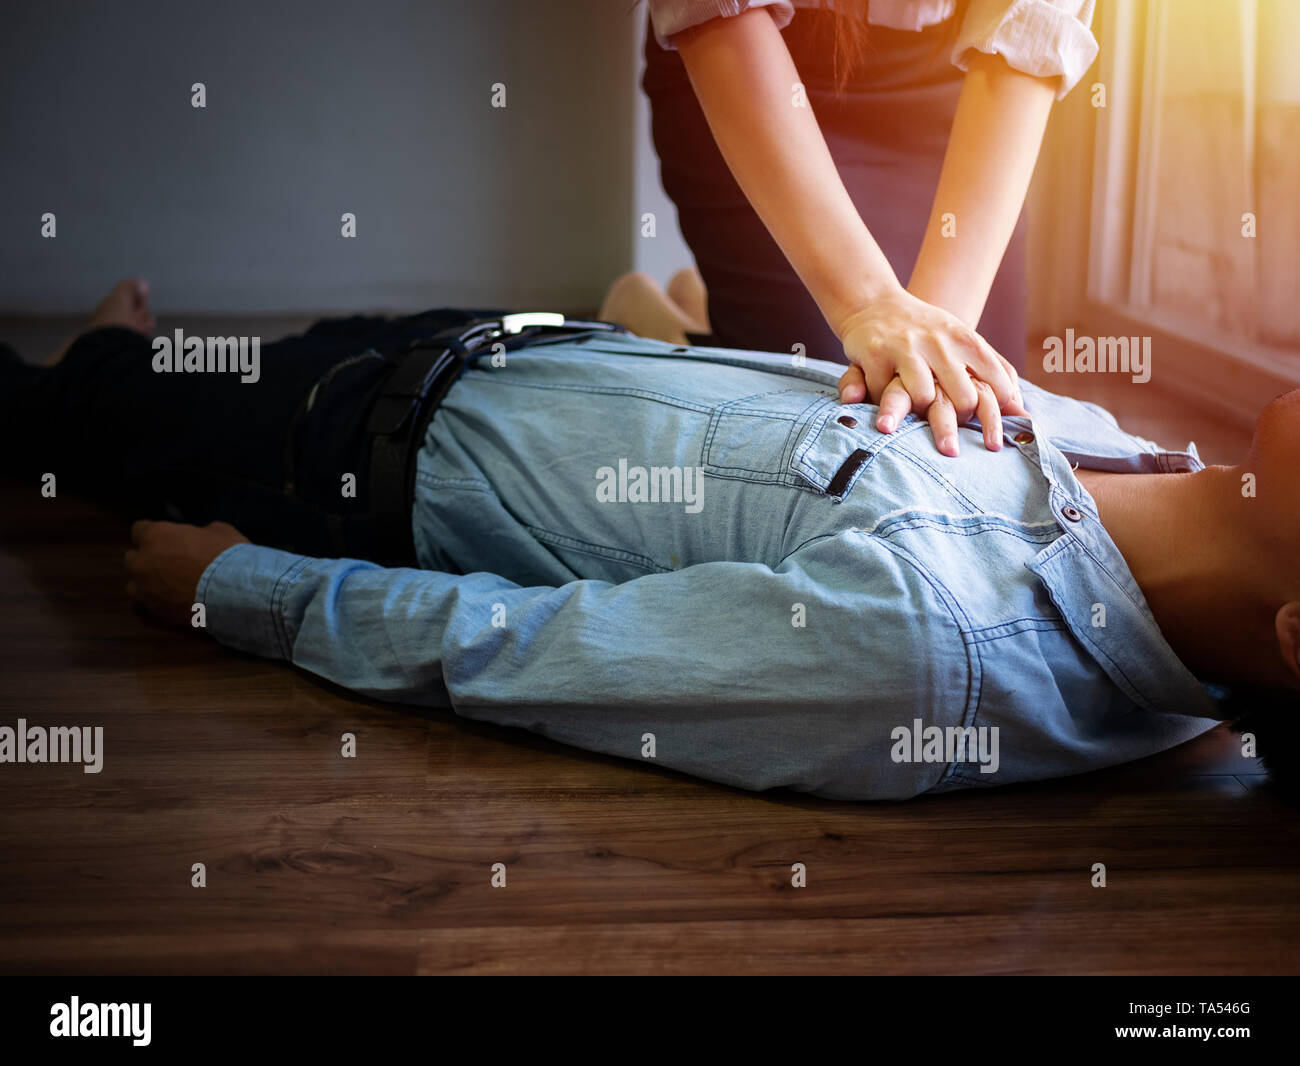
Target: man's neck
{"points": [[1190, 544]]}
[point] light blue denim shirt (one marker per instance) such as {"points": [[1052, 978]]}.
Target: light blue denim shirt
{"points": [[803, 602]]}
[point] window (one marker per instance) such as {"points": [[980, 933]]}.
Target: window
{"points": [[1195, 218]]}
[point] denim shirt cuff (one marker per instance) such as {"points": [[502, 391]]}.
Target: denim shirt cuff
{"points": [[243, 592]]}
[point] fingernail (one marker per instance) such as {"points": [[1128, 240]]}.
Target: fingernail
{"points": [[885, 424], [949, 445]]}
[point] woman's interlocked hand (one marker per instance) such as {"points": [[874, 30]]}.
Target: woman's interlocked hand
{"points": [[908, 356]]}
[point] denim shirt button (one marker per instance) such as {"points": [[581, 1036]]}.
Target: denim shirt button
{"points": [[1072, 513], [1024, 437], [848, 421]]}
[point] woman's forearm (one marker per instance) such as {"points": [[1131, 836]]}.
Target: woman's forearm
{"points": [[745, 80], [906, 355], [994, 144]]}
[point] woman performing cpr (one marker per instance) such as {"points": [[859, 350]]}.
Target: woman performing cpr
{"points": [[816, 157]]}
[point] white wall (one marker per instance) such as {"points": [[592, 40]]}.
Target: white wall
{"points": [[665, 253]]}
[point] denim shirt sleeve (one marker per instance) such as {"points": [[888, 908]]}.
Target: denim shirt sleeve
{"points": [[753, 676]]}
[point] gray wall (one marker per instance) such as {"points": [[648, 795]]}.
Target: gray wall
{"points": [[313, 109]]}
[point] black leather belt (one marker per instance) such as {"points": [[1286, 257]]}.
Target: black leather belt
{"points": [[401, 413]]}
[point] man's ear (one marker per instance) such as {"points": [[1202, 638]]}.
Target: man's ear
{"points": [[1287, 623]]}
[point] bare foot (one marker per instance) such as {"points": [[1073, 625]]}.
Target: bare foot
{"points": [[636, 301], [686, 289], [127, 304]]}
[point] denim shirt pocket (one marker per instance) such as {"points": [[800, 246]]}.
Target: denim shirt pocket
{"points": [[754, 438], [833, 454]]}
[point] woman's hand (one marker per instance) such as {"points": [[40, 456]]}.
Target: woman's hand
{"points": [[164, 567], [909, 356]]}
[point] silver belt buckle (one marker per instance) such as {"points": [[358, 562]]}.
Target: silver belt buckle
{"points": [[523, 320], [509, 325]]}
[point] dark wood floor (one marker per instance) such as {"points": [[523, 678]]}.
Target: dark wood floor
{"points": [[383, 863]]}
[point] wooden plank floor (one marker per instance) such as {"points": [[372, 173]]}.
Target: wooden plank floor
{"points": [[382, 863]]}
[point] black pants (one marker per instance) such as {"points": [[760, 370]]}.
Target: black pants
{"points": [[887, 135], [201, 447]]}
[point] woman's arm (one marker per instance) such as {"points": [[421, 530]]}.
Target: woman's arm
{"points": [[992, 149], [746, 82]]}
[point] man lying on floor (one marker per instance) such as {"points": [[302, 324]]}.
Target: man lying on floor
{"points": [[697, 557]]}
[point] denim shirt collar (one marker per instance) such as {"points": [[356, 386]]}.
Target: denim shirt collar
{"points": [[1084, 568]]}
